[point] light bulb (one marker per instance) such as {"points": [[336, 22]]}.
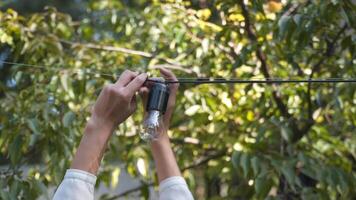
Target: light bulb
{"points": [[151, 124], [155, 108]]}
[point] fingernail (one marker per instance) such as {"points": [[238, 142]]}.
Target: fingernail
{"points": [[143, 74]]}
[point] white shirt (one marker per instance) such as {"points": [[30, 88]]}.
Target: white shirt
{"points": [[79, 185]]}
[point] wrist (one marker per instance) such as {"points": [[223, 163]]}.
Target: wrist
{"points": [[92, 146], [99, 127], [160, 142]]}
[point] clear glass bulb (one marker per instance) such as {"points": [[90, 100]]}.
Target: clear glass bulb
{"points": [[151, 125], [155, 107]]}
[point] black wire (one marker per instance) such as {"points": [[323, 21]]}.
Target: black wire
{"points": [[48, 68], [207, 80], [267, 81]]}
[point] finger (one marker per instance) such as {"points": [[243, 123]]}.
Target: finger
{"points": [[149, 82], [170, 108], [153, 80], [144, 96], [135, 84], [168, 75], [125, 78], [133, 103], [143, 89]]}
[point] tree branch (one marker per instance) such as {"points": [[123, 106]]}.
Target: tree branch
{"points": [[108, 48], [329, 51], [298, 131], [173, 67], [171, 63], [262, 58], [204, 160]]}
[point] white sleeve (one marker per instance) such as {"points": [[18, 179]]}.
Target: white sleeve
{"points": [[174, 188], [76, 185]]}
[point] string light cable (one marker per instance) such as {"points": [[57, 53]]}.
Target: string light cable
{"points": [[182, 80]]}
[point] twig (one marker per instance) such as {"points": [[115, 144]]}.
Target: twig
{"points": [[174, 67], [109, 48], [329, 51], [206, 159], [292, 9], [171, 63], [262, 58]]}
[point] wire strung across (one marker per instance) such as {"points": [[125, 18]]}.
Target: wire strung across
{"points": [[183, 80]]}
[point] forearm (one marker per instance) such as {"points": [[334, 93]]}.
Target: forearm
{"points": [[92, 147], [163, 155]]}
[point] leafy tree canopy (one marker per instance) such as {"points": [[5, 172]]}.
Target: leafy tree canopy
{"points": [[246, 141]]}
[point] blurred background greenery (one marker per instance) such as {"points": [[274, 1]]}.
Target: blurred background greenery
{"points": [[243, 141]]}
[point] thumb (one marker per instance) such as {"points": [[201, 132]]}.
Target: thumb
{"points": [[136, 84]]}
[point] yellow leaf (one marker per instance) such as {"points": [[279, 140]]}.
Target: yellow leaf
{"points": [[250, 115], [204, 14], [141, 166], [317, 113], [274, 6], [320, 119], [207, 26], [238, 147], [5, 38], [115, 177], [226, 100], [236, 17], [192, 110]]}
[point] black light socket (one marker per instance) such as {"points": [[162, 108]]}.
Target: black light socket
{"points": [[158, 97]]}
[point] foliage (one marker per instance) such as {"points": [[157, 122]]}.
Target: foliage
{"points": [[248, 141]]}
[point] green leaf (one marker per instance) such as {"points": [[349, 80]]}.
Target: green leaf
{"points": [[286, 133], [245, 163], [33, 125], [33, 139], [345, 185], [15, 149], [145, 192], [68, 119], [263, 185], [4, 194], [348, 13], [255, 165], [289, 173], [43, 188], [297, 19], [236, 155], [308, 194], [283, 24], [65, 81]]}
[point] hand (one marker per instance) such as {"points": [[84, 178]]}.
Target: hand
{"points": [[163, 155], [173, 88], [117, 102]]}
